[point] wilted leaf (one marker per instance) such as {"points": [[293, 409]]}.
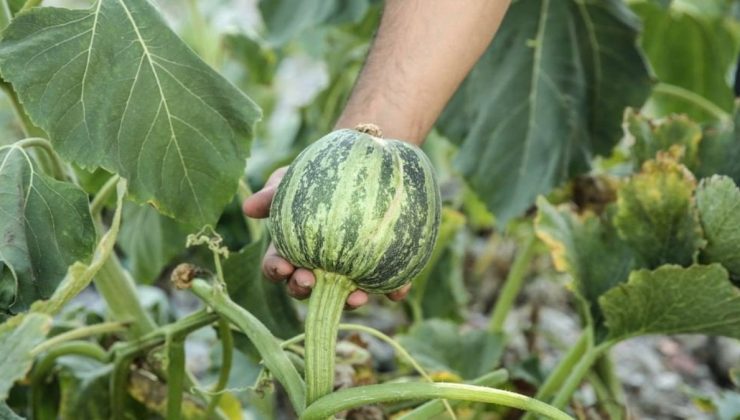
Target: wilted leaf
{"points": [[718, 202], [439, 346], [149, 240], [651, 137], [45, 227], [115, 88], [16, 345], [547, 95], [588, 248], [656, 214], [674, 300]]}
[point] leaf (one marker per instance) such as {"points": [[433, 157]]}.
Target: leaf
{"points": [[45, 227], [656, 214], [719, 150], [150, 241], [266, 300], [674, 300], [7, 414], [16, 345], [693, 52], [115, 88], [84, 388], [285, 20], [439, 346], [586, 247], [547, 95], [676, 132], [718, 202]]}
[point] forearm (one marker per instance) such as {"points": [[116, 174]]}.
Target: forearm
{"points": [[423, 50]]}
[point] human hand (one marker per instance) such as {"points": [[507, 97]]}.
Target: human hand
{"points": [[277, 269]]}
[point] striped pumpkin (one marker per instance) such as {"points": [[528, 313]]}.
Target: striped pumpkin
{"points": [[360, 206]]}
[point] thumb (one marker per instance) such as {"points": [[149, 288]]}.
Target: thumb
{"points": [[258, 204]]}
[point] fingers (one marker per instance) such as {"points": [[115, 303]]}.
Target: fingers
{"points": [[300, 283], [356, 299], [258, 204], [399, 294], [275, 267]]}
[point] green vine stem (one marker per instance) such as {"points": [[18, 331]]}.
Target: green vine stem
{"points": [[30, 4], [325, 307], [175, 376], [345, 399], [431, 409], [256, 228], [564, 368], [57, 167], [5, 15], [694, 98], [77, 333], [227, 355], [275, 358], [119, 291], [96, 206], [578, 373], [29, 128], [513, 283]]}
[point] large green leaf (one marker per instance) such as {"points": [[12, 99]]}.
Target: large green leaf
{"points": [[115, 88], [45, 226], [439, 346], [656, 214], [718, 201], [149, 240], [692, 52], [674, 300], [588, 248], [15, 346], [547, 95]]}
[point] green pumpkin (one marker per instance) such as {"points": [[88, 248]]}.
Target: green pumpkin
{"points": [[359, 206]]}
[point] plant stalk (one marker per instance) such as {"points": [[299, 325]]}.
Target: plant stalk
{"points": [[227, 355], [578, 373], [694, 98], [564, 368], [275, 358], [345, 399], [119, 292], [325, 307], [175, 376], [58, 170], [513, 283], [77, 333]]}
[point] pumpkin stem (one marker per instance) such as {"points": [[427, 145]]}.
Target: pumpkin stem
{"points": [[371, 129], [322, 323]]}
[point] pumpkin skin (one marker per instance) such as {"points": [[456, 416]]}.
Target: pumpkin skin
{"points": [[359, 206]]}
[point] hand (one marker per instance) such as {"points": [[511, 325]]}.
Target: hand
{"points": [[277, 269]]}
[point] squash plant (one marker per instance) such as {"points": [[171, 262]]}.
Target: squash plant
{"points": [[132, 148]]}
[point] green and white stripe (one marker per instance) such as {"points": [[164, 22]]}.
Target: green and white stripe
{"points": [[360, 206]]}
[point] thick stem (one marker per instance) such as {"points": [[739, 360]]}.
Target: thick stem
{"points": [[513, 284], [322, 321], [345, 399], [175, 376], [5, 15], [433, 408], [275, 358], [119, 292]]}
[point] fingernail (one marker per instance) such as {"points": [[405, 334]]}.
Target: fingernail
{"points": [[303, 282]]}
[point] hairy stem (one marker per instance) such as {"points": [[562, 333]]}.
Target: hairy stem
{"points": [[513, 283], [322, 321], [102, 195], [392, 392]]}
